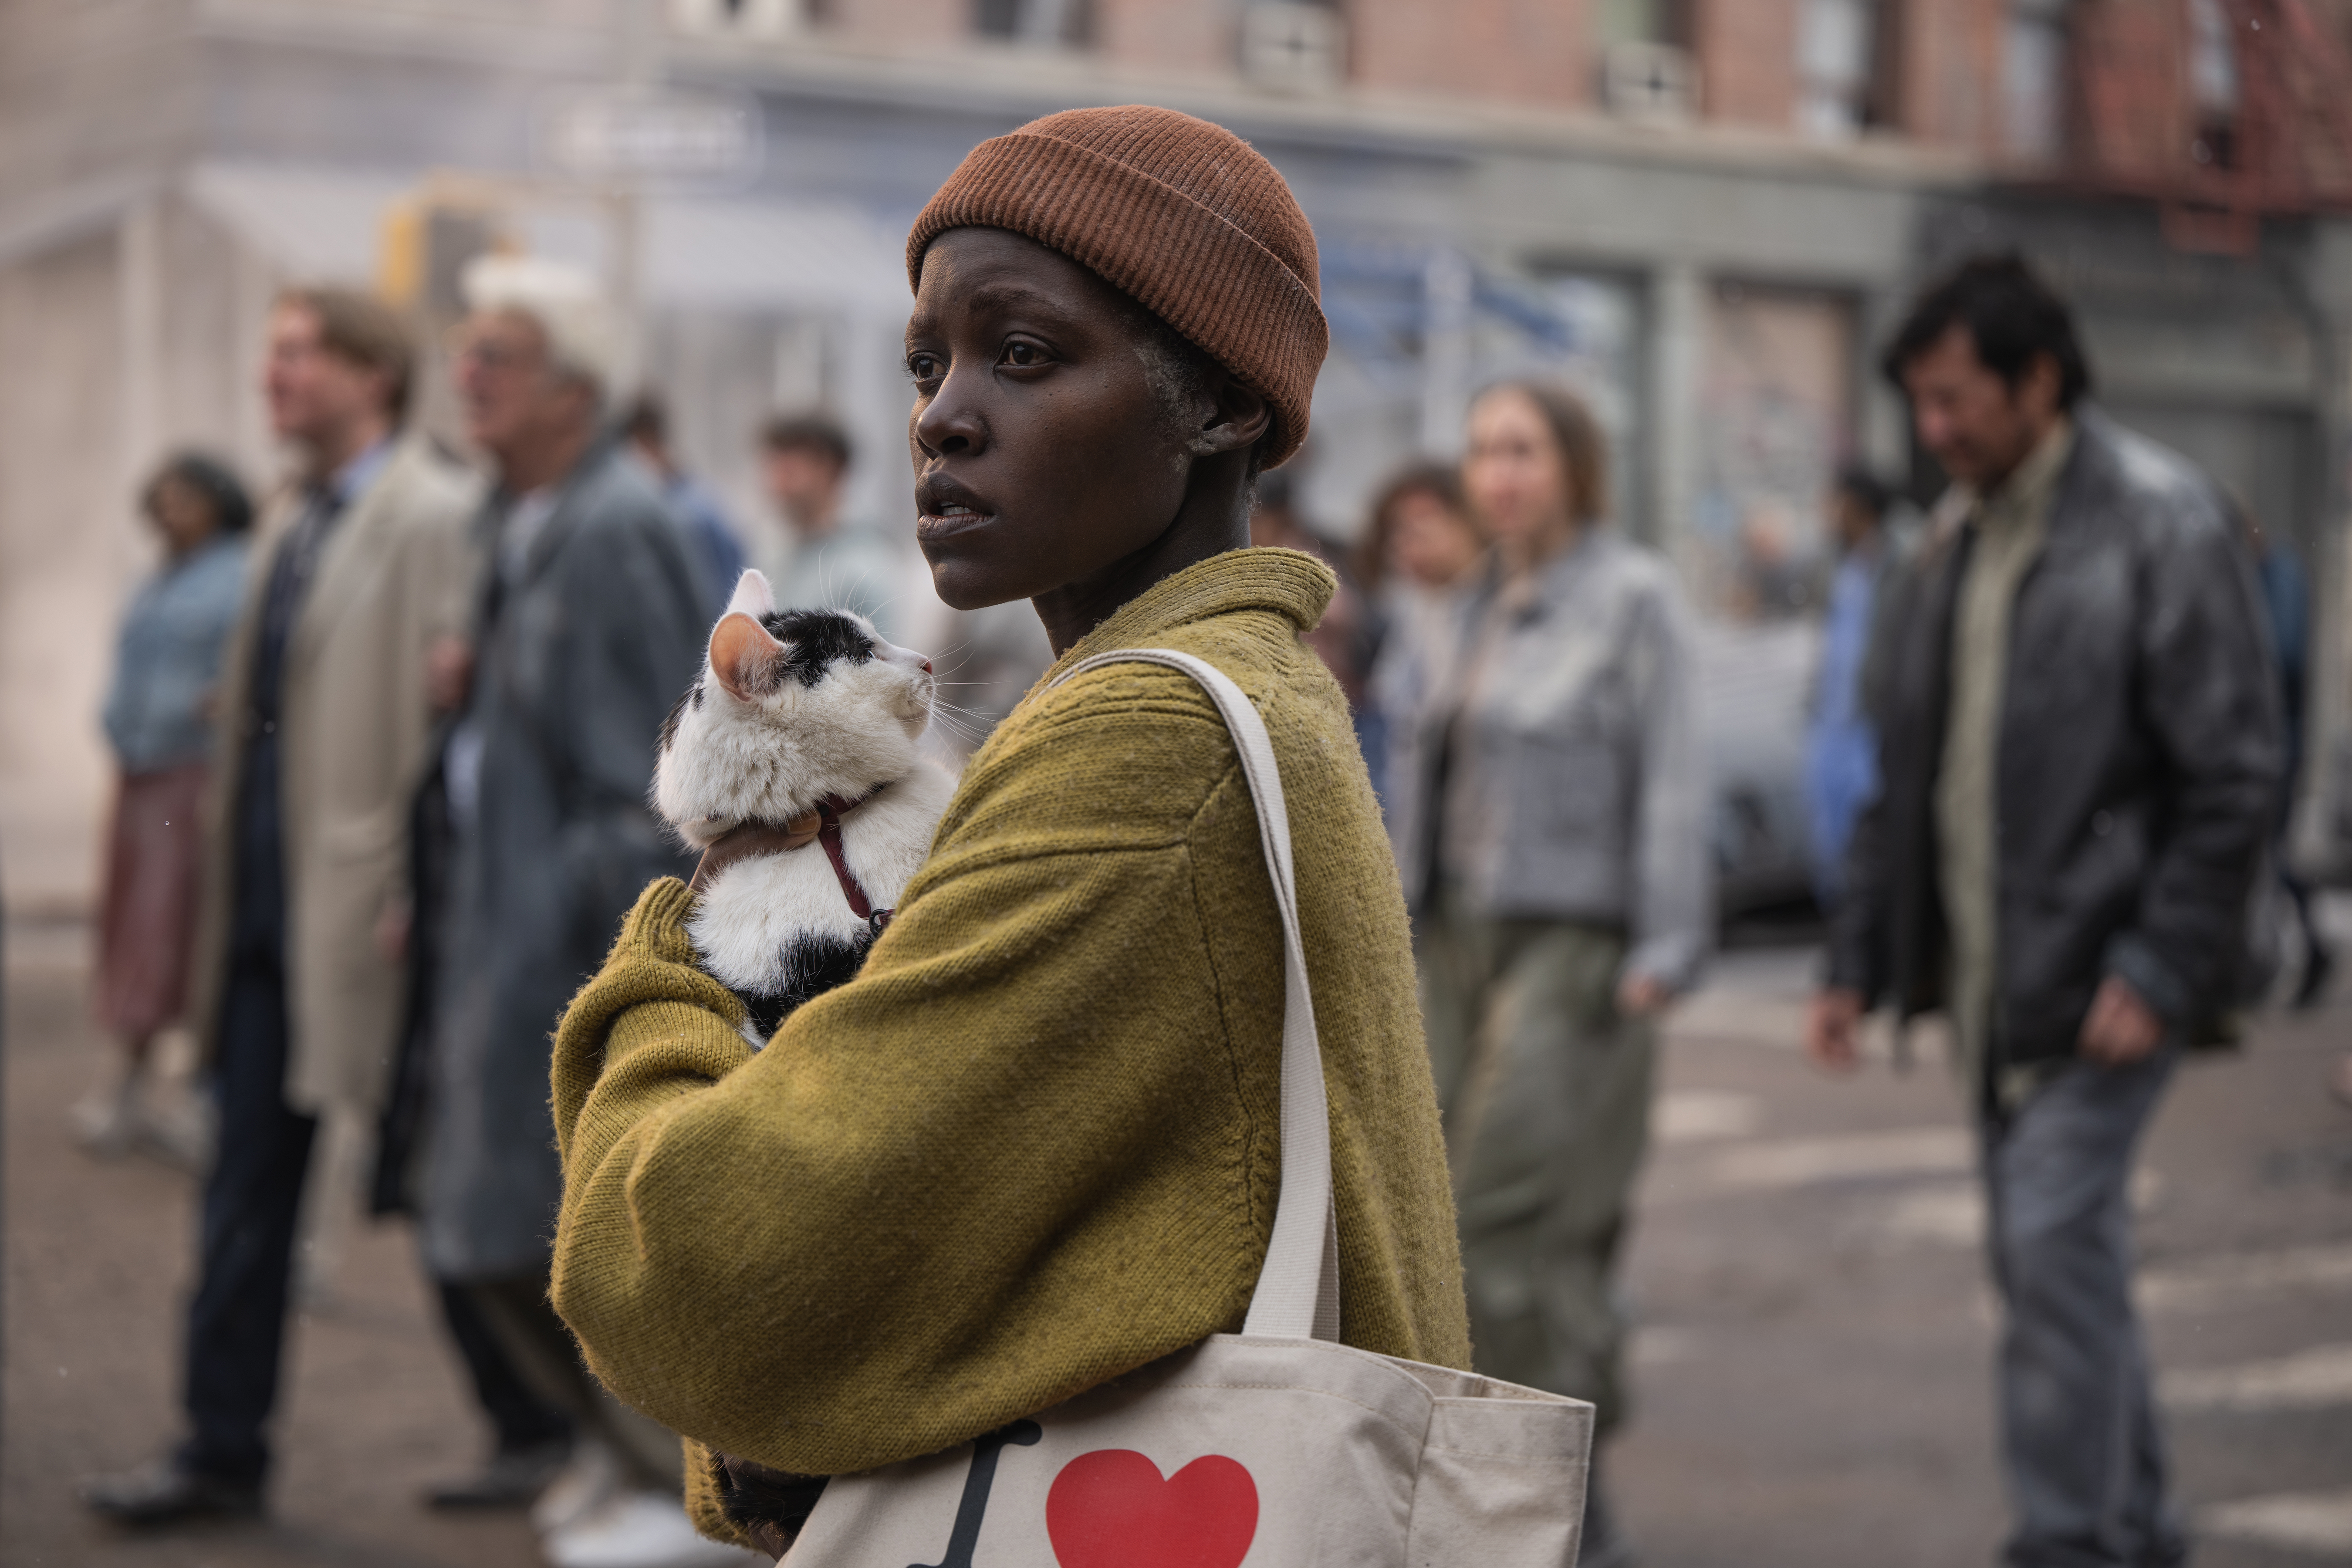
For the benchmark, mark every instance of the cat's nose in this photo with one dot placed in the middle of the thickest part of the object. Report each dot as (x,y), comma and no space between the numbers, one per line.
(926,664)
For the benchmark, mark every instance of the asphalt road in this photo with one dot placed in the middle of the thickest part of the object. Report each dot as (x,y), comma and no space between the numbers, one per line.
(1812,1365)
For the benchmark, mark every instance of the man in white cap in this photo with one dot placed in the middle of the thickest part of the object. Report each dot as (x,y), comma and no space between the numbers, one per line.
(590,625)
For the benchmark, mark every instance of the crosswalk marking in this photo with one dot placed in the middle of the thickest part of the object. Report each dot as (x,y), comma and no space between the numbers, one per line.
(2308,1379)
(2219,1280)
(1781,1163)
(2318,1522)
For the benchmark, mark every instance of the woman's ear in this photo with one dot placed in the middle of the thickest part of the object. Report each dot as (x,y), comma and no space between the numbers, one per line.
(746,660)
(1237,417)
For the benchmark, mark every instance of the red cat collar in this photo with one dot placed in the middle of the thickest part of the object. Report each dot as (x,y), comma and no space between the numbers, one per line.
(830,811)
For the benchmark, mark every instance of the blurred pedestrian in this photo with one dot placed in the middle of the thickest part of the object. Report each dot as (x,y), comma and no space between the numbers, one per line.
(2080,756)
(718,551)
(1841,745)
(1417,550)
(2287,601)
(1548,807)
(1346,636)
(323,724)
(159,720)
(591,625)
(826,559)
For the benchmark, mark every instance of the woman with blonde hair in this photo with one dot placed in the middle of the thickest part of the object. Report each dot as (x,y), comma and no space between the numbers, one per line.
(1546,805)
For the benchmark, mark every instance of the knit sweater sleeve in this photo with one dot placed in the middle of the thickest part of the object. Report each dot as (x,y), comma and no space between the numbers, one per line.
(1015,1157)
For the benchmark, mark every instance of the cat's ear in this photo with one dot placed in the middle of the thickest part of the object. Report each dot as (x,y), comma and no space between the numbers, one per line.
(752,595)
(746,660)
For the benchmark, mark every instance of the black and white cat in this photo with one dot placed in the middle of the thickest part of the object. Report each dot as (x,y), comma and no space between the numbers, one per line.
(800,712)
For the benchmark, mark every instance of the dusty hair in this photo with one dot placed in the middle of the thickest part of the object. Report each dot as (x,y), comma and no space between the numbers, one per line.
(363,330)
(1576,436)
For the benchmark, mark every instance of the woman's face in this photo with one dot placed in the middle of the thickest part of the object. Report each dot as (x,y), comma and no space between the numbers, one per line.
(1431,543)
(1042,453)
(1515,473)
(182,514)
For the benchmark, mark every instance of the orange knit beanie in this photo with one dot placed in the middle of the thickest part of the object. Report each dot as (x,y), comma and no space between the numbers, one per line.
(1180,213)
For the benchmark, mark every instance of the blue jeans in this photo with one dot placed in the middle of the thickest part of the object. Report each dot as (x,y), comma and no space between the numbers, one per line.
(2084,1460)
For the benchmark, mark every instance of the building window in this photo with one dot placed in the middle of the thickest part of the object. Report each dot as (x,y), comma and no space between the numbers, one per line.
(1640,22)
(1837,45)
(2033,79)
(744,19)
(2213,84)
(1294,46)
(1054,24)
(1646,72)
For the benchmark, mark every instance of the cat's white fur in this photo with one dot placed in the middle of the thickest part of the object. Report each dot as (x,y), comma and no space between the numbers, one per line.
(773,755)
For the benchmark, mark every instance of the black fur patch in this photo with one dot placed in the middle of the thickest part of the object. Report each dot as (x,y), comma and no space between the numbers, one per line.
(754,1494)
(815,964)
(816,639)
(690,697)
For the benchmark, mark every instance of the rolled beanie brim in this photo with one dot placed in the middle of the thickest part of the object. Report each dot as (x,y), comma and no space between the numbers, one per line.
(1195,268)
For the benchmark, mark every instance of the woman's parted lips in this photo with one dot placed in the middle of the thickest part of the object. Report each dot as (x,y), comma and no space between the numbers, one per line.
(946,507)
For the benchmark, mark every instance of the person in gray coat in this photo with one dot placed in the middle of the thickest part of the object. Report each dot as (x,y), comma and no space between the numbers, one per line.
(592,624)
(1547,803)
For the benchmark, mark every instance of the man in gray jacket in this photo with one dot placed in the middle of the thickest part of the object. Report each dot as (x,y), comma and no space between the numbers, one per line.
(2079,752)
(591,625)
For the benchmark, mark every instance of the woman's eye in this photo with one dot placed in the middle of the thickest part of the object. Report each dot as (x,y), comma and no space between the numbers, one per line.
(1019,356)
(925,367)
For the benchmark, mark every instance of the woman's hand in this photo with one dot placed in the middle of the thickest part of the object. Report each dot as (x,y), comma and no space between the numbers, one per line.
(1639,995)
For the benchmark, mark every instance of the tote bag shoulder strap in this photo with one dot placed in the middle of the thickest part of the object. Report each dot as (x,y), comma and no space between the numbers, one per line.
(1297,1294)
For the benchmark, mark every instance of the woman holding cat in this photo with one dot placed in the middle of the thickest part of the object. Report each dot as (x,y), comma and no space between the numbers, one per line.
(1033,1145)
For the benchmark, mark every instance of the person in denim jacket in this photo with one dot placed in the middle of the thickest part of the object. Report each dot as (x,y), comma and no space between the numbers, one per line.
(158,720)
(1547,805)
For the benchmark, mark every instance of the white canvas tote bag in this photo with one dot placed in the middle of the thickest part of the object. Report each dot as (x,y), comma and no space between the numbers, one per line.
(1275,1448)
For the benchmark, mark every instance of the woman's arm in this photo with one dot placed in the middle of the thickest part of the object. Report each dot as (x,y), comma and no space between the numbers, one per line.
(1673,880)
(1000,1166)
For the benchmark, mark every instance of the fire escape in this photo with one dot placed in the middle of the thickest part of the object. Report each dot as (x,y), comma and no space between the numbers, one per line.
(2221,113)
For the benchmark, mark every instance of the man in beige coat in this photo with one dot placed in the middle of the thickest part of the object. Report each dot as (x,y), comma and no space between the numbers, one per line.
(325,727)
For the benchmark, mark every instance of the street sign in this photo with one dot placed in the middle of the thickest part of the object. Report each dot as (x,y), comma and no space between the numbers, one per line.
(653,135)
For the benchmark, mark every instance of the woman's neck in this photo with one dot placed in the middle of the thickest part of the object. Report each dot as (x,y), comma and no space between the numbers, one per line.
(1525,557)
(1212,519)
(177,551)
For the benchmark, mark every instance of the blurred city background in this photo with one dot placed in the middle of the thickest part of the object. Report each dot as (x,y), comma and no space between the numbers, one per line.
(1704,214)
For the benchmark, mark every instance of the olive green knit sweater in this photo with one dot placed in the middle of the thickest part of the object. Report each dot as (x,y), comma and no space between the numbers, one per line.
(1033,1145)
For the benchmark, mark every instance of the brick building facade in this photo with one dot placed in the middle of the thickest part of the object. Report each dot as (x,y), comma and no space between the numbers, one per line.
(1703,211)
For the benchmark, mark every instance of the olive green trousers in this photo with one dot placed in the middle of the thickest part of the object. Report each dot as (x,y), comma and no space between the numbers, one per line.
(1545,1092)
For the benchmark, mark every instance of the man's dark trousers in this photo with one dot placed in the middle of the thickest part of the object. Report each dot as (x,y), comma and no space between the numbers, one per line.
(2085,1457)
(253,1202)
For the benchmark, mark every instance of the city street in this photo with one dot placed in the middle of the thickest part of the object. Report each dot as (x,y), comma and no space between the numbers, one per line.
(1812,1368)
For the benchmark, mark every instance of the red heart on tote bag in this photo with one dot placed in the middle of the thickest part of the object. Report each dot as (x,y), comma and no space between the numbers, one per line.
(1110,1509)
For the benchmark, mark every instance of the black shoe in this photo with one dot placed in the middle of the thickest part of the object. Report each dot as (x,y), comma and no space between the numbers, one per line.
(513,1477)
(167,1491)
